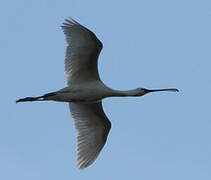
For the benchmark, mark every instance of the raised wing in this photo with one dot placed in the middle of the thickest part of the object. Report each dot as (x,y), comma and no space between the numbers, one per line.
(93,127)
(81,54)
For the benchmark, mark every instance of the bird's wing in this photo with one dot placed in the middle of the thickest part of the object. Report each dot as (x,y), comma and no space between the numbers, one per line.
(81,54)
(93,127)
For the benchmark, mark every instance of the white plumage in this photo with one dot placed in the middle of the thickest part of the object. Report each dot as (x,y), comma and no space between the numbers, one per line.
(85,91)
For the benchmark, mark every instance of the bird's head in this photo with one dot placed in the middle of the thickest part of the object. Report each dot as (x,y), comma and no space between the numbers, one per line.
(143,91)
(140,91)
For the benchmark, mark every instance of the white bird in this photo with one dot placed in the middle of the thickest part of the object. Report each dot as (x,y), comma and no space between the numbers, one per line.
(85,91)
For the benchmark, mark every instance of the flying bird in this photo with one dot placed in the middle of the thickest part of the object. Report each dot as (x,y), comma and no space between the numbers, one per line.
(85,91)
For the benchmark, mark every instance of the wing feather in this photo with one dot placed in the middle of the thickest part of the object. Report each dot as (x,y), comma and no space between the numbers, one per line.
(81,54)
(93,127)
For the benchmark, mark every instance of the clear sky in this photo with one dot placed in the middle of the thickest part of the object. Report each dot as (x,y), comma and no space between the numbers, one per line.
(147,43)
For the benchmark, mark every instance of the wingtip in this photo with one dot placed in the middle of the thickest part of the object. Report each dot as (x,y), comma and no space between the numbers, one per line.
(79,165)
(82,166)
(69,21)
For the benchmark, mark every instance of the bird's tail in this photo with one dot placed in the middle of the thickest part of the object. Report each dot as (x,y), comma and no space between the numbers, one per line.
(39,98)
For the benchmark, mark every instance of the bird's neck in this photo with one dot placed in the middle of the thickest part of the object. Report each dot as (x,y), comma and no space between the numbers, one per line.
(118,93)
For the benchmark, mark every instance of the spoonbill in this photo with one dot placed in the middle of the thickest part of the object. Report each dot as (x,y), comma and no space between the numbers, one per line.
(85,91)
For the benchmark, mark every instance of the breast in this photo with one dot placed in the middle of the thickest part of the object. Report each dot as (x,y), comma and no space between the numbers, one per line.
(86,92)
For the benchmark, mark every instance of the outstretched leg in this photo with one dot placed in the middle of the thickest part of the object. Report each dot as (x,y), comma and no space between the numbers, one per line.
(39,98)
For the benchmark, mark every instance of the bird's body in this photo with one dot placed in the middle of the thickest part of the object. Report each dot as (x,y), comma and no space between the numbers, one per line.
(85,91)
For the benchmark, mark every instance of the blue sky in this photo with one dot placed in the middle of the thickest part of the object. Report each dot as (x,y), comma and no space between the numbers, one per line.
(152,44)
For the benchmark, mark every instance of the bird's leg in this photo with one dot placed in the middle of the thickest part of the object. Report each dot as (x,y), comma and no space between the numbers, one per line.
(39,98)
(30,99)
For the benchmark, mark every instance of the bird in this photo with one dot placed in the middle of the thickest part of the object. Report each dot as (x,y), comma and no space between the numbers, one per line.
(85,91)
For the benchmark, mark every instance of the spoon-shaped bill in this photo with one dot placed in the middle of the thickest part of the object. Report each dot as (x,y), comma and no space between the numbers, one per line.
(170,90)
